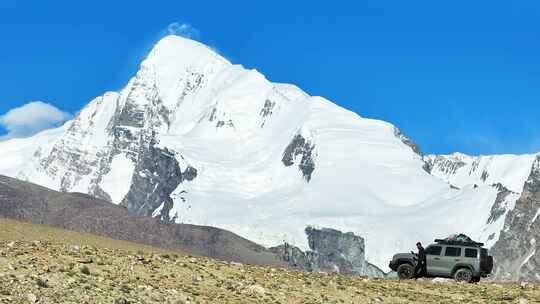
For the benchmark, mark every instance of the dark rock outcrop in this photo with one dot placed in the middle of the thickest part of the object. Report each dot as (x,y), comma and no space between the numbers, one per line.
(499,208)
(443,164)
(156,176)
(267,110)
(330,251)
(157,172)
(414,147)
(407,141)
(517,252)
(303,149)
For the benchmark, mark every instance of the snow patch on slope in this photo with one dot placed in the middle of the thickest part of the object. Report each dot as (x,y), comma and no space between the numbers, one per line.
(118,181)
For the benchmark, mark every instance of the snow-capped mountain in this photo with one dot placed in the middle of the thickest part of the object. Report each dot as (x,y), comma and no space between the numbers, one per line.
(195,139)
(505,173)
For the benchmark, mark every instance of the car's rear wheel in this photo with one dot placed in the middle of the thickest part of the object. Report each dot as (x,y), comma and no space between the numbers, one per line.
(463,275)
(405,271)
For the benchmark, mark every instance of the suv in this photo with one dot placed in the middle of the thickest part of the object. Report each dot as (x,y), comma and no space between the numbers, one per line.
(463,261)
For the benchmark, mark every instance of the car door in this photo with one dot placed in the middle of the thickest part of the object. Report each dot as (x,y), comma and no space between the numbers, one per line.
(471,257)
(452,256)
(433,259)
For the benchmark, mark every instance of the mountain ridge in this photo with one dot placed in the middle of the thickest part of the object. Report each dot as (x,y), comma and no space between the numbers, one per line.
(193,138)
(82,213)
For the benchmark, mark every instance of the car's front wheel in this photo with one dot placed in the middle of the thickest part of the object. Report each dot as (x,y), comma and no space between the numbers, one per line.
(405,271)
(463,275)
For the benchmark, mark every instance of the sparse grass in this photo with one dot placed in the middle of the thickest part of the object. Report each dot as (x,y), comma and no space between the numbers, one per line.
(41,283)
(85,270)
(11,230)
(53,272)
(125,288)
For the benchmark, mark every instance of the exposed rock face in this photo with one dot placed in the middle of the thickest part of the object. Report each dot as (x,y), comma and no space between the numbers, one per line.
(444,164)
(156,176)
(416,148)
(346,250)
(68,162)
(499,207)
(122,125)
(331,251)
(302,149)
(517,252)
(406,140)
(267,110)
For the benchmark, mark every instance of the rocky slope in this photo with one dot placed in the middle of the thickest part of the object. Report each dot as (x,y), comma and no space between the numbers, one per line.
(53,266)
(517,248)
(195,139)
(83,213)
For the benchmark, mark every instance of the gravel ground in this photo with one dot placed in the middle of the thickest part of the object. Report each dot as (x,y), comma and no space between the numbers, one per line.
(50,272)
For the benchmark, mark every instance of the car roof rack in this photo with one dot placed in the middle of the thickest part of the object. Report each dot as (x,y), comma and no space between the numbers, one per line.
(458,243)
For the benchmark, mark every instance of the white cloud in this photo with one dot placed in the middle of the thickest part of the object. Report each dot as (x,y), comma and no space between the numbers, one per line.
(186,30)
(183,29)
(31,118)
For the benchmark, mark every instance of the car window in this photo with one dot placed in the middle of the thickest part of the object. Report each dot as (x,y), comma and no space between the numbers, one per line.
(483,253)
(434,250)
(452,251)
(471,253)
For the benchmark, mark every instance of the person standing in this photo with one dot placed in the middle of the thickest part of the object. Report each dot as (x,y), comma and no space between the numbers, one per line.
(421,266)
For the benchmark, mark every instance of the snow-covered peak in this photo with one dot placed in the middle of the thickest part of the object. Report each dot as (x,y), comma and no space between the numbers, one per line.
(171,63)
(173,56)
(175,52)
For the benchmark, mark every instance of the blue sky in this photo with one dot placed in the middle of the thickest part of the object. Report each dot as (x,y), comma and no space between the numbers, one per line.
(453,75)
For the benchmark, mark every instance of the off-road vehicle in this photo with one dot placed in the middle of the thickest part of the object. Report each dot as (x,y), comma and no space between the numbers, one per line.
(465,261)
